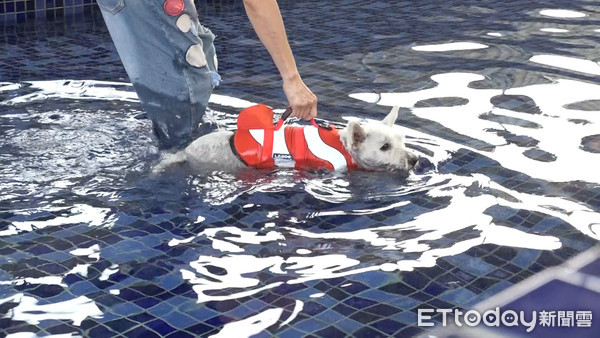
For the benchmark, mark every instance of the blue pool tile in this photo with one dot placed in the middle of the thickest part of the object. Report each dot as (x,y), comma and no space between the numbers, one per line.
(181,334)
(374,279)
(388,326)
(458,296)
(82,288)
(240,311)
(147,302)
(169,281)
(126,309)
(326,301)
(330,316)
(348,325)
(368,332)
(290,332)
(142,317)
(141,331)
(258,305)
(592,269)
(160,327)
(313,308)
(310,325)
(330,331)
(199,329)
(102,331)
(406,317)
(434,289)
(471,265)
(161,309)
(178,320)
(120,325)
(526,258)
(359,303)
(219,320)
(198,311)
(403,302)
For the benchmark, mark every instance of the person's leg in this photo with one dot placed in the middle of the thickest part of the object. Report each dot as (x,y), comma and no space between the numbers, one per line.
(170,59)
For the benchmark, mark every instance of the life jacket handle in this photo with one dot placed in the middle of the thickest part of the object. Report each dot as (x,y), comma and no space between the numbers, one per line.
(287,114)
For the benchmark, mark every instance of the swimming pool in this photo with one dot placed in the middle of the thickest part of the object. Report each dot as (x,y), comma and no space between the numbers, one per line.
(500,101)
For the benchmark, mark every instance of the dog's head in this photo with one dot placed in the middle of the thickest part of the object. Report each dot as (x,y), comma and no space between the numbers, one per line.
(378,145)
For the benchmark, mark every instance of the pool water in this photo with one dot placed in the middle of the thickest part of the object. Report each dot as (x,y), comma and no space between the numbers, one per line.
(500,101)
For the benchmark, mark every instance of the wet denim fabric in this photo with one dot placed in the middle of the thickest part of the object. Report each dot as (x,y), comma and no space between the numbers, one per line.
(170,59)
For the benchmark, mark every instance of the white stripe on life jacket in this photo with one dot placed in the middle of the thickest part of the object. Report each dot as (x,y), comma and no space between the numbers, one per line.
(258,135)
(322,150)
(316,145)
(281,155)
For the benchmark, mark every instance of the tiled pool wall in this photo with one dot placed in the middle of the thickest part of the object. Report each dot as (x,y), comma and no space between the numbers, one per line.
(22,11)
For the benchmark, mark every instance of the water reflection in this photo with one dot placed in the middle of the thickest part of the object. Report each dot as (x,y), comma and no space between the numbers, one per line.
(75,190)
(551,136)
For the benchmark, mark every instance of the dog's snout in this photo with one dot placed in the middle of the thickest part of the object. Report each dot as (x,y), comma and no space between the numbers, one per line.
(412,160)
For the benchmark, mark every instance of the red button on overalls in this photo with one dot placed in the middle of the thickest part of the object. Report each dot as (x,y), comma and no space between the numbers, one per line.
(174,7)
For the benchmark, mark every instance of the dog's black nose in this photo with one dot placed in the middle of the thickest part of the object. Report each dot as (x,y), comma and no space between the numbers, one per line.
(412,160)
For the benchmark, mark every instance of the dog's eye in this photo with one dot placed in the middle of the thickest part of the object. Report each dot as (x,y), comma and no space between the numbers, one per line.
(385,147)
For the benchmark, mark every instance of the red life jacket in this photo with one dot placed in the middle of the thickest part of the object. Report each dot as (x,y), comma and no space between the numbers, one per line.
(260,144)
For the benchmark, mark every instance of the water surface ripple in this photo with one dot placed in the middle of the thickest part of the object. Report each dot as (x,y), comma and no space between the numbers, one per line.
(507,185)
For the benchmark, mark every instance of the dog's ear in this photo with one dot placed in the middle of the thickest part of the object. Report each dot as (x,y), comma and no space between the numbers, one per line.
(391,117)
(357,133)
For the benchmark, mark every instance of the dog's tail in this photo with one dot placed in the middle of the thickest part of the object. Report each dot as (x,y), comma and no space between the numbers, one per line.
(168,160)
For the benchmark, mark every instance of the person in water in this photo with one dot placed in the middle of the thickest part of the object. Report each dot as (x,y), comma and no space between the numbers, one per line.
(171,61)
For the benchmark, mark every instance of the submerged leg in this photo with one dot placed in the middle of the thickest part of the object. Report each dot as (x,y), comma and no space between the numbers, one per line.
(170,59)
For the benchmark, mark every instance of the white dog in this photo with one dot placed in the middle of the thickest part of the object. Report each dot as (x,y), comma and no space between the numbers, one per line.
(258,143)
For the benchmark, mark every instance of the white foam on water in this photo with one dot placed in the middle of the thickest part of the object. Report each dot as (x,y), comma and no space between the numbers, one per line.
(359,211)
(92,252)
(231,243)
(4,86)
(569,63)
(229,101)
(298,306)
(448,47)
(238,269)
(175,242)
(77,90)
(75,310)
(79,213)
(108,272)
(496,34)
(95,90)
(551,98)
(46,280)
(81,269)
(562,13)
(250,326)
(554,30)
(34,335)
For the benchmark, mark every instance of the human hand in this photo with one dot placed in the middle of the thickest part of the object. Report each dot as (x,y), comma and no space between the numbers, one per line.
(300,98)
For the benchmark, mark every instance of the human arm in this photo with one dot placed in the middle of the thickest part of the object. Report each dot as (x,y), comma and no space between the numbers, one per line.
(266,19)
